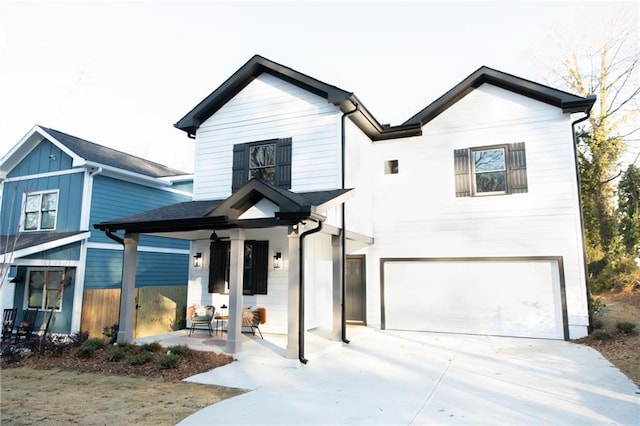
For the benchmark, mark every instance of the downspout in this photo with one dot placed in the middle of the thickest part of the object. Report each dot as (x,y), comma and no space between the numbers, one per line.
(584,244)
(301,296)
(343,234)
(113,236)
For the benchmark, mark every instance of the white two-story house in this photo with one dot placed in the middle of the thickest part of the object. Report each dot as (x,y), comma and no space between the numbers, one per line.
(465,218)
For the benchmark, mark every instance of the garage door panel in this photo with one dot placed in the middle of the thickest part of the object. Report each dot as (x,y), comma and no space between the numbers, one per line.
(510,298)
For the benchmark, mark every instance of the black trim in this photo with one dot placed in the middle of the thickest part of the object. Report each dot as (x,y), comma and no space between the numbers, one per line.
(561,278)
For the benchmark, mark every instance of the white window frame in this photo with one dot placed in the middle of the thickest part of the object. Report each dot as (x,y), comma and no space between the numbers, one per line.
(24,210)
(43,306)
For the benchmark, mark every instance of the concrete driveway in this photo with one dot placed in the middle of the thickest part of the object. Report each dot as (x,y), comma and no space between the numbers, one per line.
(389,377)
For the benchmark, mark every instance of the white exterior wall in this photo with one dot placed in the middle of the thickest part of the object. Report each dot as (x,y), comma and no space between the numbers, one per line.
(416,212)
(270,108)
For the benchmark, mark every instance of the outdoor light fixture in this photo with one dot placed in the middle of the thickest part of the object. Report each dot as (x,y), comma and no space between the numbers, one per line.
(197,260)
(277,260)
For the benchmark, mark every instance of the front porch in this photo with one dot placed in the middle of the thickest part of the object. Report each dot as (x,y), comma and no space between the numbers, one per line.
(270,351)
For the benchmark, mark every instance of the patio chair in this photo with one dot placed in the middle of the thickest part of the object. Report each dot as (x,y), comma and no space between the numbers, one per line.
(200,316)
(253,319)
(8,319)
(25,329)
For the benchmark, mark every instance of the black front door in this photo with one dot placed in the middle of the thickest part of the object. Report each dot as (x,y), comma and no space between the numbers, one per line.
(355,290)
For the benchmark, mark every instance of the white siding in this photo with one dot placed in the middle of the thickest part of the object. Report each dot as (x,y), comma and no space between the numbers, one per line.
(416,212)
(270,108)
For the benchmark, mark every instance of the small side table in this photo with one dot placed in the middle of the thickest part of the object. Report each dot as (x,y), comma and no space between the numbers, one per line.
(220,322)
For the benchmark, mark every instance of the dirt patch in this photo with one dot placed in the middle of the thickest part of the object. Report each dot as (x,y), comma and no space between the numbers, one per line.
(620,348)
(64,389)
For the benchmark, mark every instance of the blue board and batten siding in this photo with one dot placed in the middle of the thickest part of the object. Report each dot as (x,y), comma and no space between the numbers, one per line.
(44,158)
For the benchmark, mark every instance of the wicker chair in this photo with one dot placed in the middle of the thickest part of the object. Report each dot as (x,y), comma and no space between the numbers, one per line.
(253,319)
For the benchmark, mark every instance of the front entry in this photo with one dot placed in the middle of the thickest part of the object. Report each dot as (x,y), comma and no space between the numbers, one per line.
(355,290)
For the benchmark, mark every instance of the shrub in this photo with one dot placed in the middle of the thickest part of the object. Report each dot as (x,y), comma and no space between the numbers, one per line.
(89,347)
(601,335)
(170,360)
(116,354)
(625,327)
(180,350)
(622,275)
(142,358)
(597,323)
(152,347)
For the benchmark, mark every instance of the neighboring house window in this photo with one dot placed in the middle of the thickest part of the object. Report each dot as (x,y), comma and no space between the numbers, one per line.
(256,265)
(44,288)
(268,160)
(40,210)
(491,170)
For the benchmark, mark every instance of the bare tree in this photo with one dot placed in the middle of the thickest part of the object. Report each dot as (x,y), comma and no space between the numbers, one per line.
(604,63)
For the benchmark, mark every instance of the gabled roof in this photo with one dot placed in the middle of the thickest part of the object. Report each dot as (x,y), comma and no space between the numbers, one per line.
(257,65)
(566,101)
(27,243)
(223,214)
(85,153)
(348,102)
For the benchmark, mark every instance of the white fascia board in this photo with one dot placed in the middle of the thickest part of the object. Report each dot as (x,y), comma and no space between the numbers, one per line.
(125,175)
(50,245)
(179,178)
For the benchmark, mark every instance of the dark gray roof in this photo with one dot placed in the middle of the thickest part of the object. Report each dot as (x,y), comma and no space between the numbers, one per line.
(205,214)
(31,239)
(558,98)
(346,101)
(110,157)
(362,118)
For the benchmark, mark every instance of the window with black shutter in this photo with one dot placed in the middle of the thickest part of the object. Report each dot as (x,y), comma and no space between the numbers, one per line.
(256,267)
(269,160)
(490,170)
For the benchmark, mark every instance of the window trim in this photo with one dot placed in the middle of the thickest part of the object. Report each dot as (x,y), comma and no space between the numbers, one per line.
(43,306)
(240,162)
(23,222)
(515,165)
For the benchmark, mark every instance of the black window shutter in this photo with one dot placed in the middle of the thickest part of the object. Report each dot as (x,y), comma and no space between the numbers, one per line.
(240,171)
(461,168)
(517,167)
(218,267)
(283,163)
(260,266)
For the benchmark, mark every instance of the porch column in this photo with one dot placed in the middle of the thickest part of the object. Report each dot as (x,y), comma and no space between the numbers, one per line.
(236,274)
(128,291)
(336,306)
(293,325)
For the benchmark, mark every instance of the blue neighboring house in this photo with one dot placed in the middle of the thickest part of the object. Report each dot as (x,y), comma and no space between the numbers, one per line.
(53,187)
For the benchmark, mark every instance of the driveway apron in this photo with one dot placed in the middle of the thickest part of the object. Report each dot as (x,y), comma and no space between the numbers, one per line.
(403,378)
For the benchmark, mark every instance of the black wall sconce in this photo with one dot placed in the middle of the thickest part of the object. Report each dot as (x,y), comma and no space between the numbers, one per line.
(277,260)
(197,260)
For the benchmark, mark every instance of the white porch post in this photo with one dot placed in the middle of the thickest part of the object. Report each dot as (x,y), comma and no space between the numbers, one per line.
(128,292)
(293,325)
(236,274)
(336,306)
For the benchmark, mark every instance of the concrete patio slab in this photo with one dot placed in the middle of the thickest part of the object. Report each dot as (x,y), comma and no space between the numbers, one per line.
(386,377)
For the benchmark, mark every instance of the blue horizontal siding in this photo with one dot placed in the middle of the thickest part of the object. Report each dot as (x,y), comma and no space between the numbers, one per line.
(114,199)
(104,269)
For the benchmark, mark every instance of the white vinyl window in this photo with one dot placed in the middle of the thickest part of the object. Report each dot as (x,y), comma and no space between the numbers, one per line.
(44,288)
(40,211)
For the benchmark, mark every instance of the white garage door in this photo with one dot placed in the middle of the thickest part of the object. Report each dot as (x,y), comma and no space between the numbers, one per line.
(496,297)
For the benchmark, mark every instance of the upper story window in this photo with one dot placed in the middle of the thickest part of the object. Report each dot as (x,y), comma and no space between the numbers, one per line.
(40,211)
(269,160)
(491,170)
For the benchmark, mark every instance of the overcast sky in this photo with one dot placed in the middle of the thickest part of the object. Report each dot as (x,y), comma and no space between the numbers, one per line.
(122,73)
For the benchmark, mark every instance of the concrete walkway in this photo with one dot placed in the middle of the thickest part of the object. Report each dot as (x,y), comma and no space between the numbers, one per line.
(388,377)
